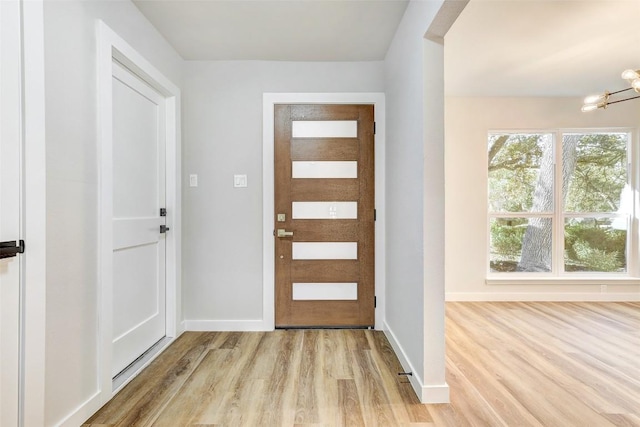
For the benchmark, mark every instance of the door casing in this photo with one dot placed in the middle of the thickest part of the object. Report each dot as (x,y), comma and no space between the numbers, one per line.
(110,47)
(268,251)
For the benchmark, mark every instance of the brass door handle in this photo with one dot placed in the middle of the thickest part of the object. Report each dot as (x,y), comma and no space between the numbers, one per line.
(281,232)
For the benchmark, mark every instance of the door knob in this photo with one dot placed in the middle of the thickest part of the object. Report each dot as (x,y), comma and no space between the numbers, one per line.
(284,233)
(12,248)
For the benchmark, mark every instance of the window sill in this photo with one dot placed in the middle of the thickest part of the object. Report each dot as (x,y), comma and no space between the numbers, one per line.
(573,280)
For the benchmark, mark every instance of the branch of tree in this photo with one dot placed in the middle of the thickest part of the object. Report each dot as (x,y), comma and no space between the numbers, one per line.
(496,147)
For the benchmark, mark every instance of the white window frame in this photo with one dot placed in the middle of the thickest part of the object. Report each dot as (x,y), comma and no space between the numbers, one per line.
(558,216)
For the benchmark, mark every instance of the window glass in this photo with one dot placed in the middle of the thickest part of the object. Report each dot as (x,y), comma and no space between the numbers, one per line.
(594,244)
(521,245)
(521,173)
(594,170)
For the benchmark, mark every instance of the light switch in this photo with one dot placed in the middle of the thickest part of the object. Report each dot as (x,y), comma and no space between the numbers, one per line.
(193,180)
(239,181)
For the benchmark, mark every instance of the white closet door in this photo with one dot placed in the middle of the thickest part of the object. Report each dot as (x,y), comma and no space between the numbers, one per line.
(139,311)
(10,178)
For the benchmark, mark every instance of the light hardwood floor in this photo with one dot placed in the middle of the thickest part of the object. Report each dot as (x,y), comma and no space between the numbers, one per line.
(508,364)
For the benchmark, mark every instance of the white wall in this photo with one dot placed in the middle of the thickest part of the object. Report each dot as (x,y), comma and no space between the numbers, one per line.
(72,190)
(415,220)
(468,121)
(222,225)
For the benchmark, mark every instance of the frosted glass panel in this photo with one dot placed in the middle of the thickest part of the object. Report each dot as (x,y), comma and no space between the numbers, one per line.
(325,210)
(325,129)
(325,291)
(325,169)
(325,250)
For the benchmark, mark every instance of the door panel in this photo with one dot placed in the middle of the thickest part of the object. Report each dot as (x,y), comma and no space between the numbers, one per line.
(325,291)
(325,169)
(10,187)
(324,195)
(324,210)
(324,250)
(139,312)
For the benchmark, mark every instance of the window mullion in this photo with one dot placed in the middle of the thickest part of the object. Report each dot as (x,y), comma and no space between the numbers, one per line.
(634,180)
(557,267)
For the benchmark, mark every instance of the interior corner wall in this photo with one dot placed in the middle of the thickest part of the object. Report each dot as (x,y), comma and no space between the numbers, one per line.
(72,307)
(222,225)
(468,121)
(415,281)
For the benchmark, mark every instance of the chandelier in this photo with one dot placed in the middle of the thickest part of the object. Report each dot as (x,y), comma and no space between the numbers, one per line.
(594,102)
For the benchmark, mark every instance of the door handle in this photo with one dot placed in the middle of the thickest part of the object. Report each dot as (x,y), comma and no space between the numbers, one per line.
(284,233)
(11,248)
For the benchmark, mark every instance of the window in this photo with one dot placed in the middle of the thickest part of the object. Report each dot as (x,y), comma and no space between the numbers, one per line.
(559,202)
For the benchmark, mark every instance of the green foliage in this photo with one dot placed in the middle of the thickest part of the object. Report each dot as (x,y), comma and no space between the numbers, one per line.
(514,161)
(594,184)
(595,259)
(600,173)
(506,237)
(593,246)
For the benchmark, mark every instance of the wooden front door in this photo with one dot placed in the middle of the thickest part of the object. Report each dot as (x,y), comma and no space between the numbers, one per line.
(324,216)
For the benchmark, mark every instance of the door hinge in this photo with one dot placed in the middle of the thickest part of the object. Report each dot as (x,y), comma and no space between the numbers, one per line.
(11,248)
(375,302)
(163,212)
(374,128)
(164,229)
(375,214)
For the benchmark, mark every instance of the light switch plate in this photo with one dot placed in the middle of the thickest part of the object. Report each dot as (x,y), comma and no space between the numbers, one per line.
(193,180)
(239,181)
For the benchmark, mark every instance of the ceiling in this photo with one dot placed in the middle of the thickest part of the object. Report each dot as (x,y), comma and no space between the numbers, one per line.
(279,30)
(495,47)
(542,47)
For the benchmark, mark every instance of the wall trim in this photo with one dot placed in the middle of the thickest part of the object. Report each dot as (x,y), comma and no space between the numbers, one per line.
(111,46)
(542,296)
(432,393)
(225,325)
(268,250)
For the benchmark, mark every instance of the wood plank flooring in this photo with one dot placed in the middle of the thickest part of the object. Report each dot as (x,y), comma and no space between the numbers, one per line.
(508,364)
(542,364)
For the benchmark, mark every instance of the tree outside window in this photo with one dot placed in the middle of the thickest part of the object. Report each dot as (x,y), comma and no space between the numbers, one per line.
(558,202)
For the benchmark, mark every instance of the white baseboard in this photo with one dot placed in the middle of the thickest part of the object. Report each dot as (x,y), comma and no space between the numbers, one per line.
(542,296)
(95,402)
(182,327)
(83,412)
(226,325)
(426,393)
(435,393)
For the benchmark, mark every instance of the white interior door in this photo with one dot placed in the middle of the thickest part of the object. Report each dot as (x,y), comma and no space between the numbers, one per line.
(139,311)
(10,187)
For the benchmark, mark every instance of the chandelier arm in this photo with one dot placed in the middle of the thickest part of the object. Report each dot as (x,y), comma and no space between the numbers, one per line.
(620,91)
(622,100)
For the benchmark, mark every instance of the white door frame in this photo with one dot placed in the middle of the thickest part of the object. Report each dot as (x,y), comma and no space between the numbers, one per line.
(33,220)
(268,249)
(110,47)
